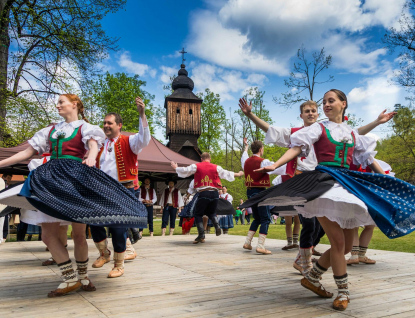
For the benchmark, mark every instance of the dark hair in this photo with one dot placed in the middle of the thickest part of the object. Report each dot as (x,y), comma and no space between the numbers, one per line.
(342,96)
(256,146)
(308,103)
(205,156)
(5,175)
(117,117)
(225,187)
(75,99)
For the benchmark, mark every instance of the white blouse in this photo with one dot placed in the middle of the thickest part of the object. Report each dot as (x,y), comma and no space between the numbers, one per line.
(364,150)
(281,137)
(40,141)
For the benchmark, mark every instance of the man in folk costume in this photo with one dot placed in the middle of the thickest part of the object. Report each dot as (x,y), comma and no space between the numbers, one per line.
(171,200)
(311,231)
(255,183)
(207,183)
(118,159)
(149,197)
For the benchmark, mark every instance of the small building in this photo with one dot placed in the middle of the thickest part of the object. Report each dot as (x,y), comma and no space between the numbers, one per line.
(183,117)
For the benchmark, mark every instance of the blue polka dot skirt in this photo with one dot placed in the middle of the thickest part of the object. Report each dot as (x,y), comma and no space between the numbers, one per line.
(390,201)
(71,191)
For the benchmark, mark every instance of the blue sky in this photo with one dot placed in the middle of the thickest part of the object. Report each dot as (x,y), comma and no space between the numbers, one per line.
(234,45)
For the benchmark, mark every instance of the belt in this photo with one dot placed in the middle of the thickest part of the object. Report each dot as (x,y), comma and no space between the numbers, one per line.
(168,204)
(203,190)
(149,205)
(129,184)
(262,188)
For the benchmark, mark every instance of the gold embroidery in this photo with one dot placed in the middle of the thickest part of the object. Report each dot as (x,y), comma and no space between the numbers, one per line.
(249,180)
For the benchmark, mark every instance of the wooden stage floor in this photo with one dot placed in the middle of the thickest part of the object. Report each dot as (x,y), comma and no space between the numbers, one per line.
(173,278)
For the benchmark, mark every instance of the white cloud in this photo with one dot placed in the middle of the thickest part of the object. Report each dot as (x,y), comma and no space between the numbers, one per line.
(223,82)
(167,72)
(375,95)
(263,35)
(133,67)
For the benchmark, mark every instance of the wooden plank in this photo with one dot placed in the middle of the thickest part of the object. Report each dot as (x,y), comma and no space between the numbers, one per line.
(174,278)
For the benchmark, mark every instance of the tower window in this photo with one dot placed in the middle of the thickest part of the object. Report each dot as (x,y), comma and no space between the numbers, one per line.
(178,111)
(190,111)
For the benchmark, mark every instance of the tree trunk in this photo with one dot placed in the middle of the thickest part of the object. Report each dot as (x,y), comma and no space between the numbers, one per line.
(4,58)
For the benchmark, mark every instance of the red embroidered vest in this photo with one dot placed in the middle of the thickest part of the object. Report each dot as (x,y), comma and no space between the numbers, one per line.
(125,158)
(255,179)
(175,197)
(68,147)
(143,192)
(207,176)
(333,153)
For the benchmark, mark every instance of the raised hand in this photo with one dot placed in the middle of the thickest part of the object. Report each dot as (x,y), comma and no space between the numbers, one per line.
(244,106)
(140,105)
(245,141)
(385,117)
(173,165)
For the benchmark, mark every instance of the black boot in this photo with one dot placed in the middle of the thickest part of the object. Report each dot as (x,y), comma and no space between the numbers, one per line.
(201,237)
(215,222)
(136,234)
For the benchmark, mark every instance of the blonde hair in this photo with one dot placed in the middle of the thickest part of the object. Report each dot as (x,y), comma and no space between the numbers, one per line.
(308,103)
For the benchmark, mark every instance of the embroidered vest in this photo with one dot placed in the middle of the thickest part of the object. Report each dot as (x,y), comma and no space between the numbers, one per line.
(126,159)
(143,192)
(207,176)
(175,197)
(333,153)
(255,179)
(70,147)
(291,165)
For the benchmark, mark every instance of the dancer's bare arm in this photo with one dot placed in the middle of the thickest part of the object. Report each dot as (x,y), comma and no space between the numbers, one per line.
(20,156)
(376,167)
(247,110)
(289,155)
(383,118)
(92,153)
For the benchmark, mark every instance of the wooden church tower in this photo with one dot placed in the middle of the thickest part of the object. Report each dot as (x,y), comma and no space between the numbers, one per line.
(183,126)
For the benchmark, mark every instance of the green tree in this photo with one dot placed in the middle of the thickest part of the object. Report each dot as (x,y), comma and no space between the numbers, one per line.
(399,149)
(117,93)
(46,44)
(213,118)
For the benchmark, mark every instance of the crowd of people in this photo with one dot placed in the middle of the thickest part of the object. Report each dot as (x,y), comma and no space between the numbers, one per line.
(329,183)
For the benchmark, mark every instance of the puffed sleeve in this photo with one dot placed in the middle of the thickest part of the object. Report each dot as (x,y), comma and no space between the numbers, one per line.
(278,136)
(92,132)
(40,140)
(184,172)
(225,174)
(305,138)
(364,150)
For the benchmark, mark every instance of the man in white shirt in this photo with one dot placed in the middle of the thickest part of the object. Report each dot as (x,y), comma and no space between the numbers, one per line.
(149,197)
(226,221)
(171,200)
(118,158)
(207,182)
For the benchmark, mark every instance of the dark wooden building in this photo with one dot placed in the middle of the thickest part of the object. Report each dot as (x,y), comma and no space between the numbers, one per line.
(183,126)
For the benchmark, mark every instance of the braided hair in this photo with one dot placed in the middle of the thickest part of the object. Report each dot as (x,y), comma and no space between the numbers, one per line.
(75,99)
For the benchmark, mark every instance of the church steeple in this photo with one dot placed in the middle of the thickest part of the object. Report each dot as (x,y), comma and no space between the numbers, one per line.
(183,124)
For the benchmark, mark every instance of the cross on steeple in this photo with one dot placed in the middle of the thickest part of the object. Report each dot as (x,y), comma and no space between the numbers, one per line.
(183,53)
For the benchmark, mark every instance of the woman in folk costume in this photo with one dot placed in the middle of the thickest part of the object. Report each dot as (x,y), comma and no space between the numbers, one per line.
(70,188)
(341,199)
(187,219)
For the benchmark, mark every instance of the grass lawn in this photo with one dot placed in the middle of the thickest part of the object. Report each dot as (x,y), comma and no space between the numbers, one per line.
(277,231)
